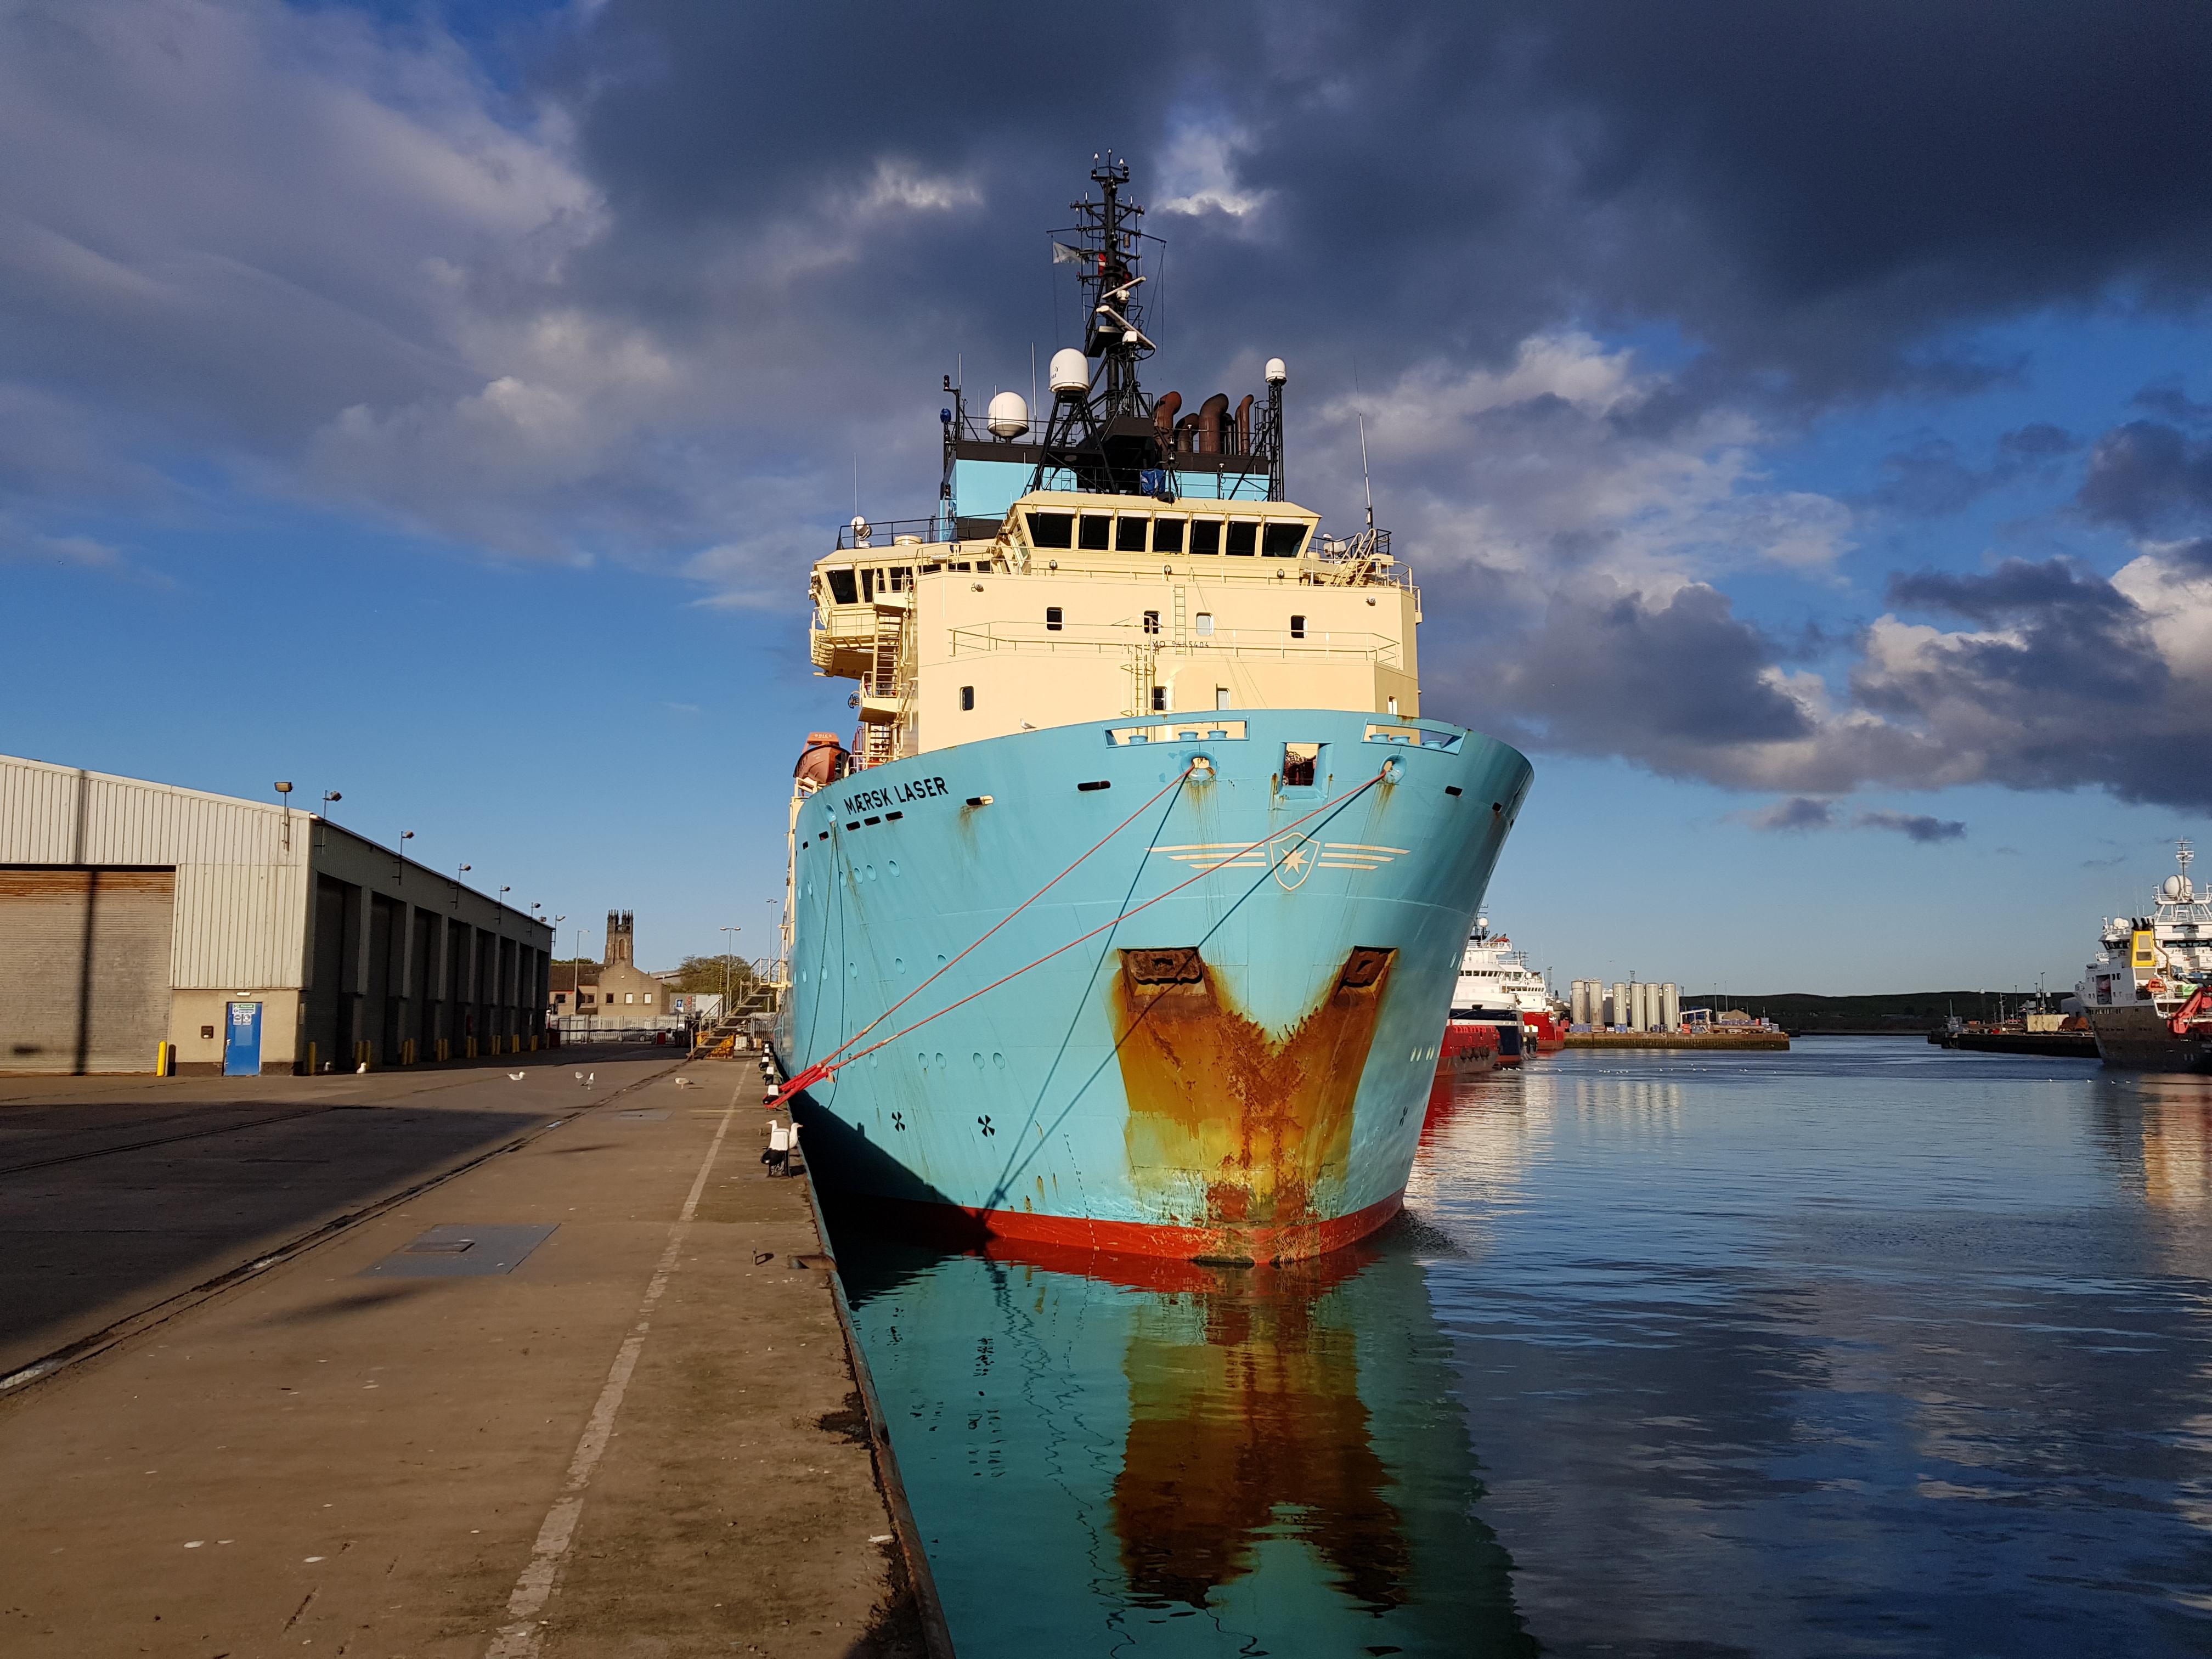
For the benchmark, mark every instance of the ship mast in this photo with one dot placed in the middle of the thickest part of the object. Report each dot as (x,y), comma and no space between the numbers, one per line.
(1102,432)
(1115,335)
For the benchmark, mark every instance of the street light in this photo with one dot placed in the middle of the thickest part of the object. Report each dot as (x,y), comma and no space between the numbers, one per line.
(727,948)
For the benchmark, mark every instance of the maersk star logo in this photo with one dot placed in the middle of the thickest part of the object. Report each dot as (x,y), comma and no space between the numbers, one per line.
(1292,857)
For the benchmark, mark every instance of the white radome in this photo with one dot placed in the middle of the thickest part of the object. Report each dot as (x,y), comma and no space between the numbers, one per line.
(1009,416)
(1070,371)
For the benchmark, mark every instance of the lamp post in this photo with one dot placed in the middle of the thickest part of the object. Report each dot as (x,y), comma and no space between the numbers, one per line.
(728,947)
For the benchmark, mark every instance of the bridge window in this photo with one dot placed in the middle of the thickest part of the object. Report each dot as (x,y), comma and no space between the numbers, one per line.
(1205,535)
(1167,535)
(1095,529)
(1151,621)
(844,587)
(1129,534)
(1284,541)
(1052,619)
(1297,628)
(1243,536)
(1052,529)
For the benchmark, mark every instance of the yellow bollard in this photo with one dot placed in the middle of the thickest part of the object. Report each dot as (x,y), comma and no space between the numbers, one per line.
(311,1060)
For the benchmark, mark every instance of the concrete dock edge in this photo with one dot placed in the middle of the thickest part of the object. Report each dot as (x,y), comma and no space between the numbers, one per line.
(935,1631)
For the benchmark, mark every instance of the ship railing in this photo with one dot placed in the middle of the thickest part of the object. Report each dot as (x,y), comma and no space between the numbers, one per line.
(1245,643)
(887,536)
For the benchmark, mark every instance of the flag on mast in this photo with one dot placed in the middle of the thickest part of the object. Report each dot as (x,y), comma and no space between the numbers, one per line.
(1064,255)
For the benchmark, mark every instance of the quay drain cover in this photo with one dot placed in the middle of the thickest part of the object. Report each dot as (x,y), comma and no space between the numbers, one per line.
(458,1249)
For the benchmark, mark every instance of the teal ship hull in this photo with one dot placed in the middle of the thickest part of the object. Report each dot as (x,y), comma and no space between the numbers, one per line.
(1206,1006)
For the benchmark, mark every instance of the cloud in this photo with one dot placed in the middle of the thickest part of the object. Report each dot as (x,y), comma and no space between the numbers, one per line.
(2151,478)
(22,545)
(1914,826)
(639,300)
(1928,479)
(1797,812)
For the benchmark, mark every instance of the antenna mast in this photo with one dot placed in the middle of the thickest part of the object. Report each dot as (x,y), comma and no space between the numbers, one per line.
(1365,483)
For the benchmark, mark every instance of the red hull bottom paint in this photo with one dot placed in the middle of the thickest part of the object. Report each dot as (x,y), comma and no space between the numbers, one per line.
(969,1228)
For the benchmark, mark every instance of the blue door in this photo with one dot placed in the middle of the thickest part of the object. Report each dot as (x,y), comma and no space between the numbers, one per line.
(241,1048)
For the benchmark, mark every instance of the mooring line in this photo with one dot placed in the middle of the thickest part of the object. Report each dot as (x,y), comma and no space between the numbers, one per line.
(829,1066)
(519,1640)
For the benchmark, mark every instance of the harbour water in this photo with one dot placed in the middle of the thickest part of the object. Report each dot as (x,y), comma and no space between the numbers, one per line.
(1871,1347)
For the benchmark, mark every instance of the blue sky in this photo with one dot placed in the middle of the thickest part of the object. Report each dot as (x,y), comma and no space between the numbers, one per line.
(444,406)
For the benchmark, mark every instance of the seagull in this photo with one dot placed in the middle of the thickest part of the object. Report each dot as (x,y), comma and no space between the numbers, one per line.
(515,1077)
(684,1083)
(579,1077)
(590,1078)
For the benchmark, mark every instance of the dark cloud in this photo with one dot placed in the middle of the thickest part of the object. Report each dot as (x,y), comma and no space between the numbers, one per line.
(2150,477)
(2167,399)
(1915,826)
(2066,681)
(1817,192)
(1611,672)
(2053,588)
(1930,480)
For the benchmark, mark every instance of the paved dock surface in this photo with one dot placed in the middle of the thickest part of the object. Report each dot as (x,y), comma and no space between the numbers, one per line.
(643,1438)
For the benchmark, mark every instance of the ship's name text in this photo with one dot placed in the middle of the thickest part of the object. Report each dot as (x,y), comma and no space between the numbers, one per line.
(869,799)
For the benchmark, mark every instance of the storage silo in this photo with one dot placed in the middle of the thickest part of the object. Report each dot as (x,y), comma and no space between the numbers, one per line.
(1670,1009)
(1618,1013)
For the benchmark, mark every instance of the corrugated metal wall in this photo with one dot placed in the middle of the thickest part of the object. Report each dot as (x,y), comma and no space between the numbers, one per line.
(241,896)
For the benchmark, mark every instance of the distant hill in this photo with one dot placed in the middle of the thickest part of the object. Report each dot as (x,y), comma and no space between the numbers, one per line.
(1901,1013)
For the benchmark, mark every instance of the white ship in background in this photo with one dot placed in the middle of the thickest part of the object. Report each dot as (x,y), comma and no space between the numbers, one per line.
(1497,987)
(2147,994)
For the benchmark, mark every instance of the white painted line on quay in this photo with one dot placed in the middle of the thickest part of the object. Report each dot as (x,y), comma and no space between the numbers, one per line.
(519,1639)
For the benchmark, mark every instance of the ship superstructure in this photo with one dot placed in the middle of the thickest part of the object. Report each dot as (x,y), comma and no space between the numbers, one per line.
(2145,993)
(1132,917)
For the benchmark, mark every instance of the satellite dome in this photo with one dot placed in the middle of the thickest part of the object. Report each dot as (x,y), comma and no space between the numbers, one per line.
(1070,371)
(1009,415)
(1278,371)
(2173,887)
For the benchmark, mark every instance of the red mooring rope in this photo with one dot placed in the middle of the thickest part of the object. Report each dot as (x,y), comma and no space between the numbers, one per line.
(828,1066)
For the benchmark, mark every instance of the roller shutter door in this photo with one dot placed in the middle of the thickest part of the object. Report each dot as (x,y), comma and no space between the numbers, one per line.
(84,969)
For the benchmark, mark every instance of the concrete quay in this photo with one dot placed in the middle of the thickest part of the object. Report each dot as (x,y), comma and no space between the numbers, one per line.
(238,1416)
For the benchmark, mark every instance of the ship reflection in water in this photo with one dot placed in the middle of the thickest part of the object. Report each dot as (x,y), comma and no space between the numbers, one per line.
(1107,1455)
(1871,1347)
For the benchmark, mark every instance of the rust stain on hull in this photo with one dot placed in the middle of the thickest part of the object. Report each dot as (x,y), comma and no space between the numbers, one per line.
(1218,1109)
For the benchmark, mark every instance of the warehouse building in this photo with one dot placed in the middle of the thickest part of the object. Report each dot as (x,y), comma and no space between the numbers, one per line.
(146,927)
